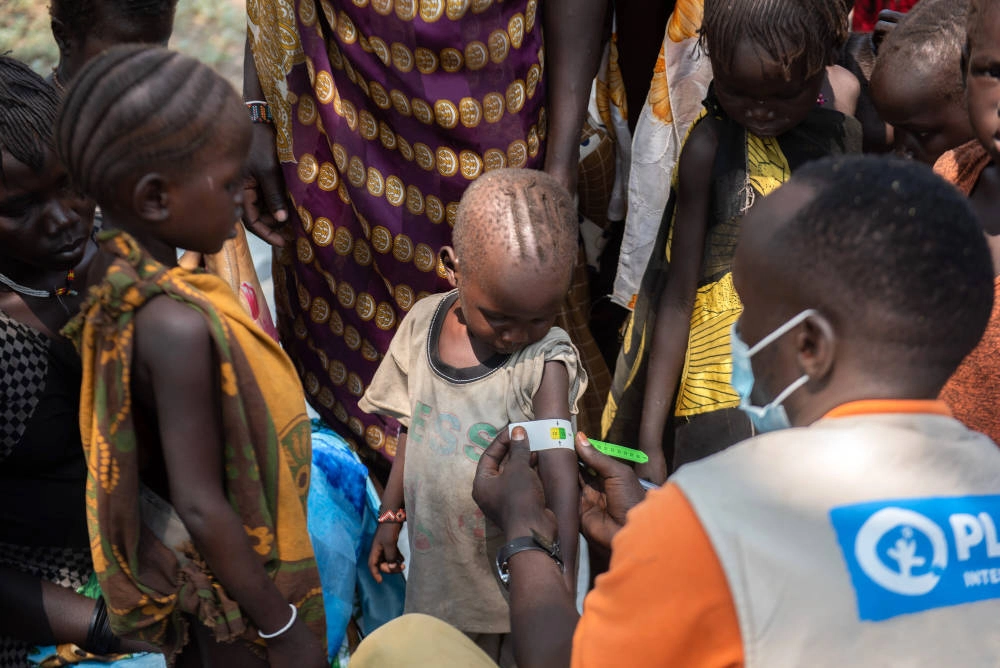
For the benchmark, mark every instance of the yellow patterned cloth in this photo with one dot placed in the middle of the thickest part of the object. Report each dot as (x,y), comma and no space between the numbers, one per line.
(149,577)
(746,168)
(680,81)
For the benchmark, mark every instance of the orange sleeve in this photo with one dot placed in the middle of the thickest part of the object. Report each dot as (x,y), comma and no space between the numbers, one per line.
(664,600)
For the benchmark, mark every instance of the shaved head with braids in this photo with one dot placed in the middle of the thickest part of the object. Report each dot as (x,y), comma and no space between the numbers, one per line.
(517,217)
(783,30)
(27,113)
(138,109)
(515,244)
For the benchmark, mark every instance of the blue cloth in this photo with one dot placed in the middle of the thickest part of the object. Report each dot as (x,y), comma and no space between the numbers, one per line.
(135,661)
(343,506)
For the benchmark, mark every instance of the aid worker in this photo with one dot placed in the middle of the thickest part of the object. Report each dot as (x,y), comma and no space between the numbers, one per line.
(861,529)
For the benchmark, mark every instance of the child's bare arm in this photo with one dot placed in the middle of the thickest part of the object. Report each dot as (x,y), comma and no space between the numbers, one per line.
(843,89)
(673,312)
(558,468)
(384,557)
(174,352)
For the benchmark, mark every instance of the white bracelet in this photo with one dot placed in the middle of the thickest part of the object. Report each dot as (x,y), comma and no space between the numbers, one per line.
(269,636)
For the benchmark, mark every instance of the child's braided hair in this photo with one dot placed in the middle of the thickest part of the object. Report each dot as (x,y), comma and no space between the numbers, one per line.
(27,113)
(784,30)
(140,107)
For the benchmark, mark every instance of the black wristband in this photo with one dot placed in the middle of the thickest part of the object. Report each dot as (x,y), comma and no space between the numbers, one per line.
(100,639)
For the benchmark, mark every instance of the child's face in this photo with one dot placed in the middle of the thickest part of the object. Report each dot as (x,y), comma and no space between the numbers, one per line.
(207,203)
(924,121)
(43,223)
(756,94)
(983,84)
(513,311)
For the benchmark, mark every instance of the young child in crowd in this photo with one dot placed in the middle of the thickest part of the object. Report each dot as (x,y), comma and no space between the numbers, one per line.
(463,365)
(917,81)
(84,28)
(975,169)
(771,107)
(183,398)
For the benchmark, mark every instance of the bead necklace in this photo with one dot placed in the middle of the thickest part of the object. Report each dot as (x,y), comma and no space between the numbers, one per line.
(65,290)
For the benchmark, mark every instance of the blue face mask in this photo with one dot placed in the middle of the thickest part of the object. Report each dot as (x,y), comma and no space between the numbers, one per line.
(772,416)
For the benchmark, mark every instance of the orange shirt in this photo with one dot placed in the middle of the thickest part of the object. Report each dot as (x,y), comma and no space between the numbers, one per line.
(665,600)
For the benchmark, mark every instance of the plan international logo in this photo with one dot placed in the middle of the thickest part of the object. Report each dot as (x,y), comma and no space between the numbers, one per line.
(910,555)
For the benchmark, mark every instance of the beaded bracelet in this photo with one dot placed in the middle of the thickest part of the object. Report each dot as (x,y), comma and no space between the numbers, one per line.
(259,111)
(392,516)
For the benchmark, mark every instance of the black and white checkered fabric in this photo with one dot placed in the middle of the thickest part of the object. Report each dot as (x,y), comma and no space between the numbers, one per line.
(23,369)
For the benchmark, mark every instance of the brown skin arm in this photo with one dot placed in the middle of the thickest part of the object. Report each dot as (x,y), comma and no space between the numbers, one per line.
(38,611)
(384,556)
(543,612)
(558,468)
(542,609)
(673,313)
(572,54)
(843,89)
(264,202)
(174,365)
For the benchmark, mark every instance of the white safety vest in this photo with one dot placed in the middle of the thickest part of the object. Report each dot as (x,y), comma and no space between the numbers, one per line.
(869,540)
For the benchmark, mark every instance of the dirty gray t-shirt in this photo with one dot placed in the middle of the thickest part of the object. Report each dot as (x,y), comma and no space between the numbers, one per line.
(452,416)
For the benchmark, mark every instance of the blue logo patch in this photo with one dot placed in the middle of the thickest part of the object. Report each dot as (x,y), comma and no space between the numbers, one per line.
(909,555)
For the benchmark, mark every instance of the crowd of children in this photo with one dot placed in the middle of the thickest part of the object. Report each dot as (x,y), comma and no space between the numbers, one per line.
(190,450)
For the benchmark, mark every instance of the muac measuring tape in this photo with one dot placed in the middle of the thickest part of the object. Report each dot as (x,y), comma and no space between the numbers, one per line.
(554,433)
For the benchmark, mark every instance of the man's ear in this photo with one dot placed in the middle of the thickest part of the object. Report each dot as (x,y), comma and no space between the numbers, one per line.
(149,198)
(450,263)
(817,347)
(63,37)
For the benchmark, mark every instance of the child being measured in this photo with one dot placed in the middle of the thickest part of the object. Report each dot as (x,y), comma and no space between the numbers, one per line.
(776,102)
(197,473)
(463,365)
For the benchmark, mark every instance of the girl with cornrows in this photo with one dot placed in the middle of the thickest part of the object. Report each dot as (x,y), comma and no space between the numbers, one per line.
(198,469)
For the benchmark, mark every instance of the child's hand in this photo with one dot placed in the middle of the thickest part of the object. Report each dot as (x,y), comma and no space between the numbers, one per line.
(297,648)
(654,470)
(385,556)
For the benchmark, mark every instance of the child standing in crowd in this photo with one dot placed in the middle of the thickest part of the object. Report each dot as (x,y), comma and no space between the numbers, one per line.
(171,405)
(84,28)
(462,366)
(917,81)
(973,167)
(771,108)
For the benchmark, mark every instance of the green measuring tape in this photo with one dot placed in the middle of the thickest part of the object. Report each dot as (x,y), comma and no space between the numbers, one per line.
(620,452)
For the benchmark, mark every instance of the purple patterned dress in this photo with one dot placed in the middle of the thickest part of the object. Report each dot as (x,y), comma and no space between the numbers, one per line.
(385,111)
